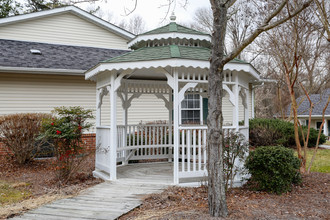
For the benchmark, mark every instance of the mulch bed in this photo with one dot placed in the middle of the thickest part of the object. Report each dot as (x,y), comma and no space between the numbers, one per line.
(310,200)
(39,178)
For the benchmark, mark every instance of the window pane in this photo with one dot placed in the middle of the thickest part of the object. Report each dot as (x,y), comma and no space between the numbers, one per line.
(190,103)
(196,103)
(184,104)
(196,115)
(184,114)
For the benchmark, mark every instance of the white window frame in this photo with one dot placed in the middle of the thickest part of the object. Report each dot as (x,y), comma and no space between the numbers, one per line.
(200,108)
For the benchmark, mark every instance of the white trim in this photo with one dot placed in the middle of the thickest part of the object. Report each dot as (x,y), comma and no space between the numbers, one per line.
(75,10)
(9,69)
(172,35)
(172,62)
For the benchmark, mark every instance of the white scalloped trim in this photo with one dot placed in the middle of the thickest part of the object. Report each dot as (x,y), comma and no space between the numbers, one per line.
(172,35)
(248,68)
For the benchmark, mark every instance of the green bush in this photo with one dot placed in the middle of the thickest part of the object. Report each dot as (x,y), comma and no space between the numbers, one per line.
(65,129)
(273,168)
(265,132)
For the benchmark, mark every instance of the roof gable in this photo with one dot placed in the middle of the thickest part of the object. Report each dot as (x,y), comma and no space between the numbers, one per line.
(69,9)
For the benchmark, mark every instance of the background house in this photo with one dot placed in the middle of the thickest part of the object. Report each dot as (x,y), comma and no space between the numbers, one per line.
(319,101)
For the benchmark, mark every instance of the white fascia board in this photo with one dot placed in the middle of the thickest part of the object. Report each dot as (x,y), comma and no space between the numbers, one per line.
(79,12)
(246,67)
(168,35)
(6,69)
(146,64)
(167,62)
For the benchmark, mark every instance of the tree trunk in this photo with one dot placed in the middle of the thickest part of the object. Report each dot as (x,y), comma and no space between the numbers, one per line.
(216,184)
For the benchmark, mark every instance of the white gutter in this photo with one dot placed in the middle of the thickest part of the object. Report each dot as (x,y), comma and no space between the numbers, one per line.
(7,69)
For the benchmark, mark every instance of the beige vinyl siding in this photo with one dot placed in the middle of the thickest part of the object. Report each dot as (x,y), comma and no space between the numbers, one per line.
(65,28)
(145,109)
(28,93)
(227,110)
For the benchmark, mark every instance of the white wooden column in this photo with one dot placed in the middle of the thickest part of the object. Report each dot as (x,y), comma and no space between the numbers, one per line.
(325,127)
(176,126)
(98,107)
(246,114)
(252,102)
(113,128)
(170,121)
(236,95)
(125,107)
(246,109)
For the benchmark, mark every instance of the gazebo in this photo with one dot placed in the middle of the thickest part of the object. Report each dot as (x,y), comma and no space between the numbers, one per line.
(171,62)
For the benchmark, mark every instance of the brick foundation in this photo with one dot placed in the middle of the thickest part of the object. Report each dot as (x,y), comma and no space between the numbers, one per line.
(87,139)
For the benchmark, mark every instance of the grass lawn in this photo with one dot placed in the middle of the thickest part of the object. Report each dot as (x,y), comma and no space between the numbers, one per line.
(327,143)
(12,193)
(321,162)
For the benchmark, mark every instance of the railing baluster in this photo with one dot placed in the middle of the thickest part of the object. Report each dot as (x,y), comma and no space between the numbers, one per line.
(183,149)
(199,149)
(194,150)
(154,139)
(204,149)
(188,149)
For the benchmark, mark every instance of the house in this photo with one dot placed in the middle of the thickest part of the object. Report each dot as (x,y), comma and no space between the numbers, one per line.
(43,57)
(319,101)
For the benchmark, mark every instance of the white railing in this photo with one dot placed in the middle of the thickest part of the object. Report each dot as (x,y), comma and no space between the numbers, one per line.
(192,151)
(102,153)
(144,142)
(141,142)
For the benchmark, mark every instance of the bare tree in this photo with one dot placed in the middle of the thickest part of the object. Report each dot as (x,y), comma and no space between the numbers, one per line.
(322,11)
(136,25)
(276,46)
(278,13)
(203,20)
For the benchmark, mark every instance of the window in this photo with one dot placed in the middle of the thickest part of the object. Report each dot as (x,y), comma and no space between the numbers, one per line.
(318,125)
(191,109)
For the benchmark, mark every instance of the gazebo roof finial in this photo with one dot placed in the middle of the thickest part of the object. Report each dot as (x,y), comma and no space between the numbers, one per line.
(173,17)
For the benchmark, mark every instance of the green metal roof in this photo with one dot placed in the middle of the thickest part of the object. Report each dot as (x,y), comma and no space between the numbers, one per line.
(163,52)
(173,27)
(166,52)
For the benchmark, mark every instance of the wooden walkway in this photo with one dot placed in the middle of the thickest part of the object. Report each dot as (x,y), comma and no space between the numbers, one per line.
(109,200)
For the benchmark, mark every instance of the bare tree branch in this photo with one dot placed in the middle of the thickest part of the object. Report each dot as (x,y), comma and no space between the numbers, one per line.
(265,27)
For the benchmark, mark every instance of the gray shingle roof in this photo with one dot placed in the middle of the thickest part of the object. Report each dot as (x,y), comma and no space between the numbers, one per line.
(54,56)
(319,101)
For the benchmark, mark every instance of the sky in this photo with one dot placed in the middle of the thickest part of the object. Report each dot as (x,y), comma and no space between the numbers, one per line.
(151,11)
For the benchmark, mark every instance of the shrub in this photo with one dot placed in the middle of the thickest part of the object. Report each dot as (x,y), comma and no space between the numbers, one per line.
(19,133)
(273,168)
(65,131)
(235,150)
(265,132)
